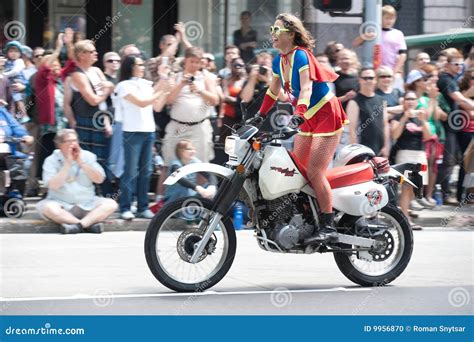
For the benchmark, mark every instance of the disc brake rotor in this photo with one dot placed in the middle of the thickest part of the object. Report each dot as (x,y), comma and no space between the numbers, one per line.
(384,247)
(188,239)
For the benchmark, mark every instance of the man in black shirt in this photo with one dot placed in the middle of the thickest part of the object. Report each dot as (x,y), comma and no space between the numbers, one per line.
(347,83)
(246,37)
(368,117)
(457,102)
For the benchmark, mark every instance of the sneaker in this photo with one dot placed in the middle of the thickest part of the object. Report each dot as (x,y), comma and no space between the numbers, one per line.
(414,205)
(416,227)
(157,206)
(133,209)
(147,214)
(96,228)
(425,203)
(127,215)
(450,201)
(431,200)
(70,228)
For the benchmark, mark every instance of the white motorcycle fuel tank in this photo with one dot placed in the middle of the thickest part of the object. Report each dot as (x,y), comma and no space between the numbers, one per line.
(278,175)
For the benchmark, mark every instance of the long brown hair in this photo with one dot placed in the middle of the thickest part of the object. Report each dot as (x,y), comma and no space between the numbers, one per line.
(302,36)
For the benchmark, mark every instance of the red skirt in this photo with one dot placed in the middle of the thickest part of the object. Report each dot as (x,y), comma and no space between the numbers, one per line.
(327,121)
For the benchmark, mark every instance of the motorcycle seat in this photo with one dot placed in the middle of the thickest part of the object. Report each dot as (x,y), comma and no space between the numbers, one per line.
(347,175)
(341,176)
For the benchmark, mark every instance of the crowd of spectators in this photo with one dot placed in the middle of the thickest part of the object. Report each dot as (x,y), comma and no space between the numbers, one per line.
(96,130)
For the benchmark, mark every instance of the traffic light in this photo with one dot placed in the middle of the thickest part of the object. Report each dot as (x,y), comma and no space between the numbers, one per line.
(333,5)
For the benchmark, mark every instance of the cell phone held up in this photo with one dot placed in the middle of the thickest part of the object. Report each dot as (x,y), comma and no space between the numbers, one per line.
(262,70)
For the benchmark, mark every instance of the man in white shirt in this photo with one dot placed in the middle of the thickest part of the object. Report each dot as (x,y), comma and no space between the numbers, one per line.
(69,173)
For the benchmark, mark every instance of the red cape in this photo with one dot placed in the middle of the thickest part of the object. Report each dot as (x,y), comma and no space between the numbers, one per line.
(318,72)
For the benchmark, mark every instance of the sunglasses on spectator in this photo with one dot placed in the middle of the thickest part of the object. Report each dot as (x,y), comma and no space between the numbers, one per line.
(368,78)
(276,30)
(113,61)
(385,76)
(38,56)
(410,99)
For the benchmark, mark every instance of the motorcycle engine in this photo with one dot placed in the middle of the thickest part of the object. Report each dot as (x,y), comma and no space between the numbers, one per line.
(285,222)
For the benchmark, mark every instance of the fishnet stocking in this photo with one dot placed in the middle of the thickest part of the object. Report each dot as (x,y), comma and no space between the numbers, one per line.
(316,153)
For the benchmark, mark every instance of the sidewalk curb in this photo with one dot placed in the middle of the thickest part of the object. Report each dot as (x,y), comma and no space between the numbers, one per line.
(447,217)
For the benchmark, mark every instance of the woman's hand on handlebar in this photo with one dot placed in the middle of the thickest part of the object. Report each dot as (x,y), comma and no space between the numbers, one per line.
(255,120)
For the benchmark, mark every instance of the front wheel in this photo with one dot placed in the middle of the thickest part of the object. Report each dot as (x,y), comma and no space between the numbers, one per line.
(172,237)
(376,268)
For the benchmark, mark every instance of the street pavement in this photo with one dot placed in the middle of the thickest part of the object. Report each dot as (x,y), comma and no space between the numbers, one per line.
(86,274)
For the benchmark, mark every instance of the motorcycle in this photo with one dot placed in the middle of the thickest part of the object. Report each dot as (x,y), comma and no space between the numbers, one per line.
(191,243)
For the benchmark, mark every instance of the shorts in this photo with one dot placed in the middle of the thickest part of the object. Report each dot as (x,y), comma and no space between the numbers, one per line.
(327,121)
(200,135)
(75,210)
(411,156)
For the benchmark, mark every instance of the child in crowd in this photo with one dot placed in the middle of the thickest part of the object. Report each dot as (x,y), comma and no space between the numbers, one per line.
(13,72)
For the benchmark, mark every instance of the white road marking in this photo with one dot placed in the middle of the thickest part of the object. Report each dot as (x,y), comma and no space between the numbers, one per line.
(187,294)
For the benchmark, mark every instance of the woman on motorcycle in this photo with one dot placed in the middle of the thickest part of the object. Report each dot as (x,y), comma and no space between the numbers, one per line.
(318,111)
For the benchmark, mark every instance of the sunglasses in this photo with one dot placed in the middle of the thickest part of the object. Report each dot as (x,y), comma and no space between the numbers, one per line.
(385,76)
(410,99)
(113,61)
(368,78)
(38,56)
(276,30)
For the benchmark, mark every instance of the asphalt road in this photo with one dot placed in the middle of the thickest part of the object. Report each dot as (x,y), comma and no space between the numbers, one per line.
(52,274)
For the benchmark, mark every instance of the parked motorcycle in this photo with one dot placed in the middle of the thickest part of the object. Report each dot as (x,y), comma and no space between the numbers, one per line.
(191,243)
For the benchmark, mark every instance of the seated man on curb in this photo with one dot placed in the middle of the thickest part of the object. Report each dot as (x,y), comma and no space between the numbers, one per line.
(69,173)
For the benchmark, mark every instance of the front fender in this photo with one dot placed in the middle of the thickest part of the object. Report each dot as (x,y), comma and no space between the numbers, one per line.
(198,167)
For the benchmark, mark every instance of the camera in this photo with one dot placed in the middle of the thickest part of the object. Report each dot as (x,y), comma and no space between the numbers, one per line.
(262,70)
(191,79)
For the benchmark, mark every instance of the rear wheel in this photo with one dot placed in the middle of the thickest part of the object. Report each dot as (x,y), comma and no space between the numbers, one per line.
(172,237)
(381,266)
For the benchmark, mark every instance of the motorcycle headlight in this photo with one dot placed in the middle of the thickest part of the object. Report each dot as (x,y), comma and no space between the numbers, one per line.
(230,146)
